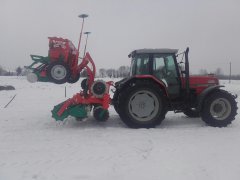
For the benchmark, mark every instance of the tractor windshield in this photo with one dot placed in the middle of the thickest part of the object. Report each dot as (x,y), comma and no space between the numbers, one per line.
(140,64)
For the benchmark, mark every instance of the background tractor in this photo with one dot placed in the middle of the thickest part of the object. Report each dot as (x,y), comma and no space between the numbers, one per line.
(158,84)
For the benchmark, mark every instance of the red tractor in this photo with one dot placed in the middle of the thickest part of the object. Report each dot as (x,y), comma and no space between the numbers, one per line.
(157,85)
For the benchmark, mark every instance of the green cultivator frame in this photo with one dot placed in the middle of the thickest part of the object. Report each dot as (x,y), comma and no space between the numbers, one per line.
(39,72)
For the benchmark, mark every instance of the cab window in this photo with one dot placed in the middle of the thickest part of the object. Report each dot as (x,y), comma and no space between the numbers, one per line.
(140,65)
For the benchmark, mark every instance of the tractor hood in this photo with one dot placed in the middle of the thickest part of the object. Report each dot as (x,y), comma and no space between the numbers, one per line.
(196,81)
(199,83)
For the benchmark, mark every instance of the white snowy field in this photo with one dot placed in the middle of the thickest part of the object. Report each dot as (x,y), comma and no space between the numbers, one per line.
(34,146)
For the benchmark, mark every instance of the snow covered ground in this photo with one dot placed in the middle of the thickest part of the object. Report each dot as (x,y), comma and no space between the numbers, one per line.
(34,146)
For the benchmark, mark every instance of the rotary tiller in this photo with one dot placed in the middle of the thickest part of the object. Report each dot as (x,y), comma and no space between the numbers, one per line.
(94,95)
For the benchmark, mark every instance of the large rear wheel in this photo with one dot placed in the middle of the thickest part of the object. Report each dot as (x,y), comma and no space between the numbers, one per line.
(219,109)
(142,106)
(115,101)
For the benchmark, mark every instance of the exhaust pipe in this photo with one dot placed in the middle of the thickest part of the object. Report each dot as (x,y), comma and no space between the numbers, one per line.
(187,72)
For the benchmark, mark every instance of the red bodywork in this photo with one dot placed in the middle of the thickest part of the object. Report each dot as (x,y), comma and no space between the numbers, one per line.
(63,49)
(89,98)
(199,83)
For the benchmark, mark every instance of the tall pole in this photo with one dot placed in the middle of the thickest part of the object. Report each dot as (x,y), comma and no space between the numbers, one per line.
(230,72)
(87,33)
(83,16)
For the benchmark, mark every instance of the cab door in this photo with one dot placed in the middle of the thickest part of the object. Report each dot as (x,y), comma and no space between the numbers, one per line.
(165,69)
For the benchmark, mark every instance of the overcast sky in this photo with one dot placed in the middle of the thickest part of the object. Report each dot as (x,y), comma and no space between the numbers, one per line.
(211,28)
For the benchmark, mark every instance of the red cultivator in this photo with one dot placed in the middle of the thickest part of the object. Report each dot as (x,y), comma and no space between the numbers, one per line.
(61,66)
(94,94)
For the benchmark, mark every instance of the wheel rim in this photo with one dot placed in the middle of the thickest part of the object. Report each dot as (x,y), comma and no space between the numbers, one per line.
(58,72)
(143,106)
(220,109)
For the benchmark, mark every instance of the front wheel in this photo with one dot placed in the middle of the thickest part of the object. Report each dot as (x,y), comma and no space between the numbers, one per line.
(219,109)
(142,106)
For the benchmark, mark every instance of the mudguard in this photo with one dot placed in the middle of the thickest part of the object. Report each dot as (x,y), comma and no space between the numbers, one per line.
(205,93)
(125,82)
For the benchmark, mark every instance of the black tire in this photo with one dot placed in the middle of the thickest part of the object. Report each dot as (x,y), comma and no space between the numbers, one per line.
(191,112)
(142,105)
(100,114)
(84,84)
(115,101)
(219,109)
(58,72)
(73,80)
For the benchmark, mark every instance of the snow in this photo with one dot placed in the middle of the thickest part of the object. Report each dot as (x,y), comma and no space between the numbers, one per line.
(34,146)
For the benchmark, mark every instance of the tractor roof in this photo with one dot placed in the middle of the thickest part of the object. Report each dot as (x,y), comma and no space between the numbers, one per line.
(154,51)
(157,50)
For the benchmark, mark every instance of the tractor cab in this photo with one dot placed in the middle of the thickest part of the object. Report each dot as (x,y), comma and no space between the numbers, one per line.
(159,63)
(163,66)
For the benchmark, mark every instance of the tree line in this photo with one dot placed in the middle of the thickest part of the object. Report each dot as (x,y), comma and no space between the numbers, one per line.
(19,71)
(121,72)
(219,74)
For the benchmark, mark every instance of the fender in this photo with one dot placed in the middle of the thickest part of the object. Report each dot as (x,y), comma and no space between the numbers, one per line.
(124,82)
(205,93)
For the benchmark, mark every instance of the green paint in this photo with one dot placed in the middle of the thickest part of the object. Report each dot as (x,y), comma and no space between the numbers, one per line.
(77,111)
(40,78)
(55,111)
(102,113)
(38,59)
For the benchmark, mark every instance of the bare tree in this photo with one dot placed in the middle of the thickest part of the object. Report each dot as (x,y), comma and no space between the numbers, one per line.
(83,73)
(18,70)
(3,72)
(110,72)
(123,71)
(203,72)
(219,71)
(102,72)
